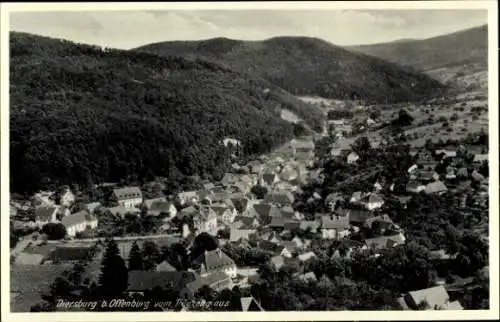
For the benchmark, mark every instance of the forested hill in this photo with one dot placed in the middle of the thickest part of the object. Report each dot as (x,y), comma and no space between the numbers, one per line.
(463,47)
(84,114)
(309,66)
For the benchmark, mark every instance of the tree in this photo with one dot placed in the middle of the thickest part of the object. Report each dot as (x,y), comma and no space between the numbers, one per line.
(404,118)
(361,146)
(135,261)
(259,191)
(54,231)
(113,280)
(151,255)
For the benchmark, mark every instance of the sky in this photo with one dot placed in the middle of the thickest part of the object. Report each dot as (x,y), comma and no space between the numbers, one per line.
(130,29)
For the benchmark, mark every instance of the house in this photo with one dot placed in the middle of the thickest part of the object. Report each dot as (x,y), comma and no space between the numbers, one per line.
(122,211)
(372,201)
(477,176)
(216,261)
(255,166)
(268,178)
(287,249)
(160,207)
(462,173)
(277,223)
(208,186)
(226,213)
(347,247)
(437,187)
(91,207)
(352,157)
(334,226)
(250,304)
(142,281)
(165,267)
(66,198)
(28,259)
(129,197)
(280,198)
(237,234)
(383,222)
(312,225)
(414,186)
(217,281)
(188,197)
(357,196)
(450,173)
(229,179)
(244,222)
(356,216)
(45,215)
(480,158)
(446,153)
(305,257)
(434,298)
(205,220)
(303,148)
(288,173)
(78,222)
(147,203)
(278,261)
(307,277)
(383,242)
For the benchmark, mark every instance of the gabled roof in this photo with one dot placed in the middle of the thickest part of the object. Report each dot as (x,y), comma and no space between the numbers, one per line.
(165,267)
(291,224)
(480,157)
(216,259)
(285,197)
(436,186)
(278,261)
(161,206)
(312,224)
(310,276)
(250,304)
(305,145)
(44,213)
(435,296)
(75,219)
(385,241)
(147,280)
(149,202)
(307,256)
(127,193)
(384,219)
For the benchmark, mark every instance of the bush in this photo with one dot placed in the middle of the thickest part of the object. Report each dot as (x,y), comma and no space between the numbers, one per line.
(454,117)
(54,231)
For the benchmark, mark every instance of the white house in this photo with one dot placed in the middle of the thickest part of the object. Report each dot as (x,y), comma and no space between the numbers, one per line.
(188,197)
(352,157)
(129,197)
(217,260)
(78,222)
(334,227)
(205,220)
(67,198)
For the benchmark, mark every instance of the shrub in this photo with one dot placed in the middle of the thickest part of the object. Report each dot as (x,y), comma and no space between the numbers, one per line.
(54,231)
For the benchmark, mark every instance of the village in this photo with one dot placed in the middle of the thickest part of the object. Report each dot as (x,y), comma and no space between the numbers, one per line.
(251,211)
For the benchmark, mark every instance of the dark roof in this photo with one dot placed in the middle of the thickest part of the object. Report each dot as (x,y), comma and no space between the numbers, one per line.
(209,280)
(44,213)
(160,206)
(70,253)
(280,197)
(127,193)
(147,280)
(289,225)
(216,259)
(75,219)
(268,246)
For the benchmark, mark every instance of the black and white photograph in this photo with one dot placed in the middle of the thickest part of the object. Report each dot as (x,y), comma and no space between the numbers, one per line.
(241,159)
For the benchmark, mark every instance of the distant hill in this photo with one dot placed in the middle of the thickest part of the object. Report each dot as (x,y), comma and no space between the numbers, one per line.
(459,48)
(309,66)
(456,58)
(80,114)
